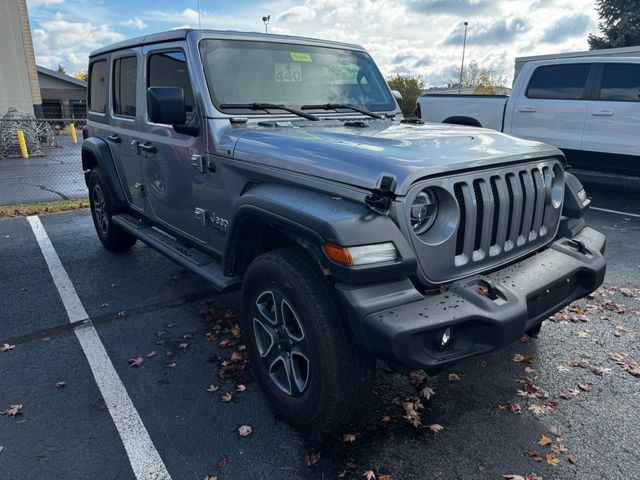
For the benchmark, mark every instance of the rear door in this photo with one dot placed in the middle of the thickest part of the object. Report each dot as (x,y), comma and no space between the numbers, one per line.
(612,128)
(553,106)
(174,187)
(123,137)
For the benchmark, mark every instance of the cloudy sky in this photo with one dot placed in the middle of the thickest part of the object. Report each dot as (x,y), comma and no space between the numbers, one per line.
(403,36)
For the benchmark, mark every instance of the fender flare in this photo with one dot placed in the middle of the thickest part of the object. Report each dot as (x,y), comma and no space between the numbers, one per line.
(95,148)
(312,218)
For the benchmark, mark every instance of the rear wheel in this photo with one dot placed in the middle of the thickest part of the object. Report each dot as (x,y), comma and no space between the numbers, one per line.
(301,350)
(102,209)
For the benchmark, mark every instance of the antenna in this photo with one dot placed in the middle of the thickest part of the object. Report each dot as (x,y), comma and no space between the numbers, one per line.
(199,22)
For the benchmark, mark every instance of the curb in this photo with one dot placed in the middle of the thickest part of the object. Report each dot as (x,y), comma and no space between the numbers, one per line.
(601,179)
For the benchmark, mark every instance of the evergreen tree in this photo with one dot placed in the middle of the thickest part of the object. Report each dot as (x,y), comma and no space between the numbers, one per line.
(619,24)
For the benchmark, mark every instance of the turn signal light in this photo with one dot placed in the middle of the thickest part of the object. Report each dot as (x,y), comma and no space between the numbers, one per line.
(362,255)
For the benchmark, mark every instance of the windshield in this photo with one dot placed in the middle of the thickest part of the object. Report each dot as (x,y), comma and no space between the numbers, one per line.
(244,72)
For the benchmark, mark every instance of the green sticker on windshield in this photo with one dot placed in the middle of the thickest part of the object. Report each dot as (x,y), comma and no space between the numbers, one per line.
(300,57)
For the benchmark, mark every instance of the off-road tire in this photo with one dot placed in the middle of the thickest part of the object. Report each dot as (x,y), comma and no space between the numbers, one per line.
(341,375)
(102,209)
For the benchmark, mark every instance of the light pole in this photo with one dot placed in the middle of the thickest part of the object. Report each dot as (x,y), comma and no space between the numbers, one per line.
(265,20)
(464,45)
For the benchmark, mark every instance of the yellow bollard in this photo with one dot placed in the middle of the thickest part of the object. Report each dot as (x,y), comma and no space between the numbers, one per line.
(22,144)
(74,137)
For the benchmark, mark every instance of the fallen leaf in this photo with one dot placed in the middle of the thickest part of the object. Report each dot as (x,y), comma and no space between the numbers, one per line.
(454,377)
(483,290)
(544,440)
(385,419)
(369,475)
(235,330)
(136,362)
(570,458)
(151,354)
(427,393)
(417,378)
(552,459)
(223,462)
(502,407)
(600,370)
(348,438)
(523,358)
(587,387)
(6,347)
(385,476)
(617,357)
(172,365)
(538,409)
(554,431)
(436,427)
(584,334)
(566,394)
(227,397)
(183,345)
(244,430)
(226,343)
(515,408)
(528,370)
(513,477)
(60,384)
(311,459)
(535,455)
(13,410)
(1,448)
(240,387)
(212,388)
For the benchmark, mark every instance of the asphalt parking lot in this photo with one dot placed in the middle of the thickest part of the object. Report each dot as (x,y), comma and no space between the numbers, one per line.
(172,410)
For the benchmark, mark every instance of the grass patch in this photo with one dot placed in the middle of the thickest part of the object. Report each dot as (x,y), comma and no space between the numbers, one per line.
(24,209)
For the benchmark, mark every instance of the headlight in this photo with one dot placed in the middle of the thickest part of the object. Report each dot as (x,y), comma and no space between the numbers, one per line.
(362,255)
(424,211)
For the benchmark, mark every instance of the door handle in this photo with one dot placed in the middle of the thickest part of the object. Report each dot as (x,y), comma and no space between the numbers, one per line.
(527,109)
(147,147)
(115,138)
(602,113)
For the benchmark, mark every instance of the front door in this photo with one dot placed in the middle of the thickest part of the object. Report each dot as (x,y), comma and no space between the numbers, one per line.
(553,106)
(612,128)
(172,183)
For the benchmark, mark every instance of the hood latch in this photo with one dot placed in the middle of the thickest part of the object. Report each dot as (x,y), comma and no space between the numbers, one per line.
(380,198)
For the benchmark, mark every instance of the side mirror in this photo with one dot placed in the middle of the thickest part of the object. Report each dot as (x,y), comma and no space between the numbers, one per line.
(166,105)
(398,96)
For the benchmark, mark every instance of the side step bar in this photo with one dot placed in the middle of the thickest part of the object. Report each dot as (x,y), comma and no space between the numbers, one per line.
(190,258)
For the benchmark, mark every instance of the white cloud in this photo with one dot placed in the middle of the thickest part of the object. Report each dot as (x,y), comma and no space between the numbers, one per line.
(42,3)
(59,41)
(135,22)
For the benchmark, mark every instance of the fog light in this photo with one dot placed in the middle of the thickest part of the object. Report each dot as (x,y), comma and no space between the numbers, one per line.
(445,338)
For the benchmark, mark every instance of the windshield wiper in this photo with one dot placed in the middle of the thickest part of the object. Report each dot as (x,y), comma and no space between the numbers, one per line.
(336,106)
(269,106)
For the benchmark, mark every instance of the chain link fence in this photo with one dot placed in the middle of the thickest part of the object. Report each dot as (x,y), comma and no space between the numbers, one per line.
(40,159)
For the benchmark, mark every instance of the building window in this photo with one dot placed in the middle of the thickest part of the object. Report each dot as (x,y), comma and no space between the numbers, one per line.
(125,74)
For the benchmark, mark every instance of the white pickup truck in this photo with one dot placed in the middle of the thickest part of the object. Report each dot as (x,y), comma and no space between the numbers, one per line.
(588,107)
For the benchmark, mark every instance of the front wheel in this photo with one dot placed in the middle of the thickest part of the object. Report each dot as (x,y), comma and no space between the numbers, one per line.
(102,209)
(300,347)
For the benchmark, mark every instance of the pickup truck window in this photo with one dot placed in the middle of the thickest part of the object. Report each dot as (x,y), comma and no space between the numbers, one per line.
(246,72)
(559,82)
(98,86)
(125,72)
(620,82)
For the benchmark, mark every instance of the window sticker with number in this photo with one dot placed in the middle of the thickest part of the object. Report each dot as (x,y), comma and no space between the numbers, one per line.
(288,72)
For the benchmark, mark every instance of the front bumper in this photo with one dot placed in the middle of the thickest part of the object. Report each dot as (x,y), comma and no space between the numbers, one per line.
(402,326)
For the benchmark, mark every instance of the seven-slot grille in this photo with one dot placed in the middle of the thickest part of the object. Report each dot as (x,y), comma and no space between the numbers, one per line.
(502,212)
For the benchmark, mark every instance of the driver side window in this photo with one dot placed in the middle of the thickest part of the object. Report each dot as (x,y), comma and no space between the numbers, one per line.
(169,69)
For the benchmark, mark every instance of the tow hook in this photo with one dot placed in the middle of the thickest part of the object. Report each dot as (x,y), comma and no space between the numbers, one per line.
(580,246)
(380,198)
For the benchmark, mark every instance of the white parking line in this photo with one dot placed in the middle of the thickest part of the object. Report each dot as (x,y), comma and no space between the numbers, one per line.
(143,456)
(626,214)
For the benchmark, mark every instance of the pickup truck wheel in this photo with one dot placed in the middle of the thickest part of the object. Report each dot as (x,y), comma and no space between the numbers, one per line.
(301,350)
(102,209)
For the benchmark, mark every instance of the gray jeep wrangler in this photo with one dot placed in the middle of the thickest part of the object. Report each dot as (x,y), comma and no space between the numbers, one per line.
(283,166)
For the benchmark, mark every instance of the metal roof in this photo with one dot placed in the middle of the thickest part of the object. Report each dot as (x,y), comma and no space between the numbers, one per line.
(61,76)
(181,34)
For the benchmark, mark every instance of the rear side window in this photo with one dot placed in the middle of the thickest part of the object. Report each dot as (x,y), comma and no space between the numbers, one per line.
(620,82)
(559,82)
(169,69)
(125,74)
(98,87)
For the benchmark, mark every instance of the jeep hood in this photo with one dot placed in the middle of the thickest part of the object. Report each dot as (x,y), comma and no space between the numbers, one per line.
(360,155)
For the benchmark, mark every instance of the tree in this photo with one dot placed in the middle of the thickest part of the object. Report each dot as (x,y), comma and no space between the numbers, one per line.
(61,69)
(619,24)
(410,86)
(475,76)
(485,87)
(81,75)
